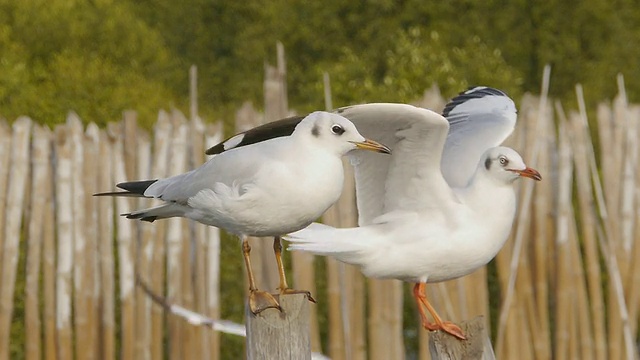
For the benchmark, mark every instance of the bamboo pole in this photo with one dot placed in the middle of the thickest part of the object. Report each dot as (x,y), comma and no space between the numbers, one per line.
(49,278)
(588,232)
(5,161)
(105,249)
(213,134)
(41,190)
(606,242)
(19,169)
(633,283)
(143,303)
(154,246)
(124,239)
(64,224)
(190,340)
(91,275)
(80,322)
(177,165)
(565,214)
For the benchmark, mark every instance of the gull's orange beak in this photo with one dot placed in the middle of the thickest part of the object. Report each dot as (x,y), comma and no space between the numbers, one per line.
(372,146)
(530,173)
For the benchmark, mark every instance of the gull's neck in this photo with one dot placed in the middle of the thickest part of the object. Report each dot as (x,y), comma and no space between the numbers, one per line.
(485,193)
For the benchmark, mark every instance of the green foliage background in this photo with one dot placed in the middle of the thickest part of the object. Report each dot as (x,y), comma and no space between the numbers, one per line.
(100,57)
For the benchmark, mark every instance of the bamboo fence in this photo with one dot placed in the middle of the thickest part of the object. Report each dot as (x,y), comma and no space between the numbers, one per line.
(566,285)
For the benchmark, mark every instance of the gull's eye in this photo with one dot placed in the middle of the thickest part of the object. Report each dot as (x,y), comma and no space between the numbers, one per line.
(503,160)
(337,129)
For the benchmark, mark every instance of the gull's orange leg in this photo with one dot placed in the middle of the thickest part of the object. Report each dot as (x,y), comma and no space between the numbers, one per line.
(419,294)
(284,287)
(258,300)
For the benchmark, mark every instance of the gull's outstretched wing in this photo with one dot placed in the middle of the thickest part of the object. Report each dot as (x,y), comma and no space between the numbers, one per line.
(409,179)
(480,118)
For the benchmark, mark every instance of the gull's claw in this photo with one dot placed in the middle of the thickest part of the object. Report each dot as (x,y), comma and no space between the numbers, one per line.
(293,291)
(446,326)
(262,300)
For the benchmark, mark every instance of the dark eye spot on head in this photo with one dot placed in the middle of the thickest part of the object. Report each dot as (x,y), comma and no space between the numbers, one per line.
(337,129)
(487,163)
(315,131)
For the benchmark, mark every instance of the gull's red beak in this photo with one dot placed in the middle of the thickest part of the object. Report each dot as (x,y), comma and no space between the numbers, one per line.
(530,173)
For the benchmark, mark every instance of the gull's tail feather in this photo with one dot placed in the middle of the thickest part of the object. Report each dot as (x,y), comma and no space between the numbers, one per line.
(319,239)
(132,189)
(155,213)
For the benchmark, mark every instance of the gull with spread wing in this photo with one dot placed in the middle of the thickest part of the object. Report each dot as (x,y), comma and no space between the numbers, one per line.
(441,206)
(271,187)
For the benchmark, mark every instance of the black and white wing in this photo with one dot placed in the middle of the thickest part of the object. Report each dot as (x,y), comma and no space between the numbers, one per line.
(480,118)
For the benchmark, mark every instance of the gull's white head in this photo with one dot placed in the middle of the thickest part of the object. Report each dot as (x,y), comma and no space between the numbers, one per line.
(335,132)
(506,164)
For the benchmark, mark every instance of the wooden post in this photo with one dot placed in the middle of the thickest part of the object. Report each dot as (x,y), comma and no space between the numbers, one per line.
(477,346)
(280,335)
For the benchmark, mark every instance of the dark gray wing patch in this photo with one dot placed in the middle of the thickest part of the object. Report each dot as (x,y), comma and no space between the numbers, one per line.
(474,92)
(260,133)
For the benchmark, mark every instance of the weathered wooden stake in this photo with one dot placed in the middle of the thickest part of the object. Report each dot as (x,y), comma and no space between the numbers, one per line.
(280,335)
(443,346)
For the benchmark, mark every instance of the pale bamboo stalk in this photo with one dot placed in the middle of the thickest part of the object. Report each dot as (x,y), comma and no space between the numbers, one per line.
(592,257)
(41,190)
(49,278)
(386,320)
(5,160)
(142,301)
(190,340)
(543,234)
(91,290)
(197,136)
(529,321)
(126,258)
(627,219)
(605,236)
(357,312)
(213,135)
(177,165)
(64,222)
(16,191)
(633,283)
(129,134)
(193,92)
(475,299)
(349,280)
(564,217)
(583,331)
(80,325)
(154,246)
(525,348)
(105,249)
(544,231)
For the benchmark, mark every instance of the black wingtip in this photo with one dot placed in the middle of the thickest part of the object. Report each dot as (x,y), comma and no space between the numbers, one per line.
(473,92)
(136,187)
(264,132)
(118,193)
(140,217)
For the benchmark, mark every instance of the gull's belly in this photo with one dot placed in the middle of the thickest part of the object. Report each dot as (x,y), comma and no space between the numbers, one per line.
(279,202)
(439,255)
